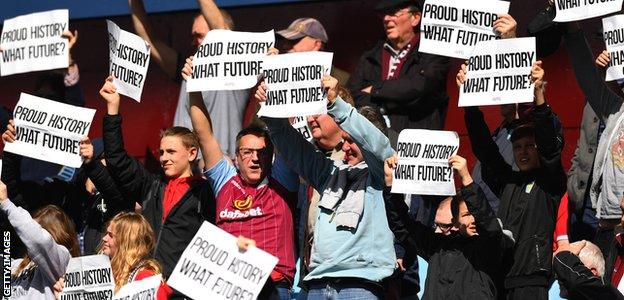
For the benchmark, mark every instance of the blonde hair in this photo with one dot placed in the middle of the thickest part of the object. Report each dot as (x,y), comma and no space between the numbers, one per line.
(55,221)
(135,240)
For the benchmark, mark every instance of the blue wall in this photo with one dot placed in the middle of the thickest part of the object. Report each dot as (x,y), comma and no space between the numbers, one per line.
(79,9)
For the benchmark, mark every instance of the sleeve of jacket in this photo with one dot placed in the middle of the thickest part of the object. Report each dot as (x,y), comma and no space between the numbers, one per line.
(299,154)
(25,194)
(578,279)
(374,144)
(416,88)
(50,257)
(549,146)
(132,178)
(357,81)
(74,96)
(105,184)
(485,218)
(494,169)
(602,100)
(415,237)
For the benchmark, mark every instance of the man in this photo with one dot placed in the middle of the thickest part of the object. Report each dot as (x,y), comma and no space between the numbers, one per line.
(226,108)
(580,268)
(529,197)
(463,264)
(302,35)
(175,205)
(353,248)
(408,86)
(256,201)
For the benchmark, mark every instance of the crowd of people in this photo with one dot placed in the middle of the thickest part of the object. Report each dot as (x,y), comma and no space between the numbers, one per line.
(324,208)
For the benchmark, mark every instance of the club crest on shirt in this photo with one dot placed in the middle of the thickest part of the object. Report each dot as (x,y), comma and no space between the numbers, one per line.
(243,204)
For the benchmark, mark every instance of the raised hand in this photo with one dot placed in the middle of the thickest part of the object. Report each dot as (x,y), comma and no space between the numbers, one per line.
(460,165)
(389,164)
(9,134)
(461,74)
(108,92)
(187,71)
(603,59)
(86,150)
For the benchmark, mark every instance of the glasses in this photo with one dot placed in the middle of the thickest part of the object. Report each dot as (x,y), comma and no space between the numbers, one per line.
(248,152)
(394,14)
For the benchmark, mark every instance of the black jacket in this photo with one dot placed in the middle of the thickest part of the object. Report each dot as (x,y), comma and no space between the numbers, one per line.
(459,267)
(579,281)
(529,200)
(196,205)
(416,99)
(70,196)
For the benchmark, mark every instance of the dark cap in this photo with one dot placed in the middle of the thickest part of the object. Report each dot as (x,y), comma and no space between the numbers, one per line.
(385,5)
(305,27)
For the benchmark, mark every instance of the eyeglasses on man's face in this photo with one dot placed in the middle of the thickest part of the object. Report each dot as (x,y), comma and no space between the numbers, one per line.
(248,152)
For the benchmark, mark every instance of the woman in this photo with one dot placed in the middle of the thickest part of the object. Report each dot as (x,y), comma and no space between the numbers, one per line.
(50,240)
(128,241)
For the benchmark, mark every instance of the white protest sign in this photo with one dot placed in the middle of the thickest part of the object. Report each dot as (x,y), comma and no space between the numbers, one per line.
(212,267)
(129,57)
(613,34)
(49,130)
(301,124)
(88,277)
(499,72)
(294,84)
(452,27)
(33,42)
(574,10)
(144,289)
(423,166)
(229,60)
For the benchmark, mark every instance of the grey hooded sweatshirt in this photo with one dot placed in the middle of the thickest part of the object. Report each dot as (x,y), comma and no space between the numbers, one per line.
(48,259)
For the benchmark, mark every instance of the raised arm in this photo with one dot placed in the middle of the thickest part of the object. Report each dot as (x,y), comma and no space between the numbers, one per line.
(493,164)
(50,257)
(374,144)
(21,192)
(589,78)
(414,236)
(200,118)
(212,14)
(101,178)
(165,56)
(487,223)
(131,176)
(300,155)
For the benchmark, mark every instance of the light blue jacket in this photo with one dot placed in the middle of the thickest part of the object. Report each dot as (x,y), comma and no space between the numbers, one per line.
(368,251)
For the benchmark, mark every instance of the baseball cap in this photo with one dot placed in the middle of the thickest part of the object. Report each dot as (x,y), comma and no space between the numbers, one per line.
(385,5)
(304,27)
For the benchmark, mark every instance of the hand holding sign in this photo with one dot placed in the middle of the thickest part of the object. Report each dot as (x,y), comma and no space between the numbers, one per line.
(244,243)
(603,59)
(389,165)
(330,85)
(109,93)
(459,164)
(537,77)
(9,134)
(86,150)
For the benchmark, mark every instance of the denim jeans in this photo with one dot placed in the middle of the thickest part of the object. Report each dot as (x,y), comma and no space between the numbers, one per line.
(284,293)
(341,292)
